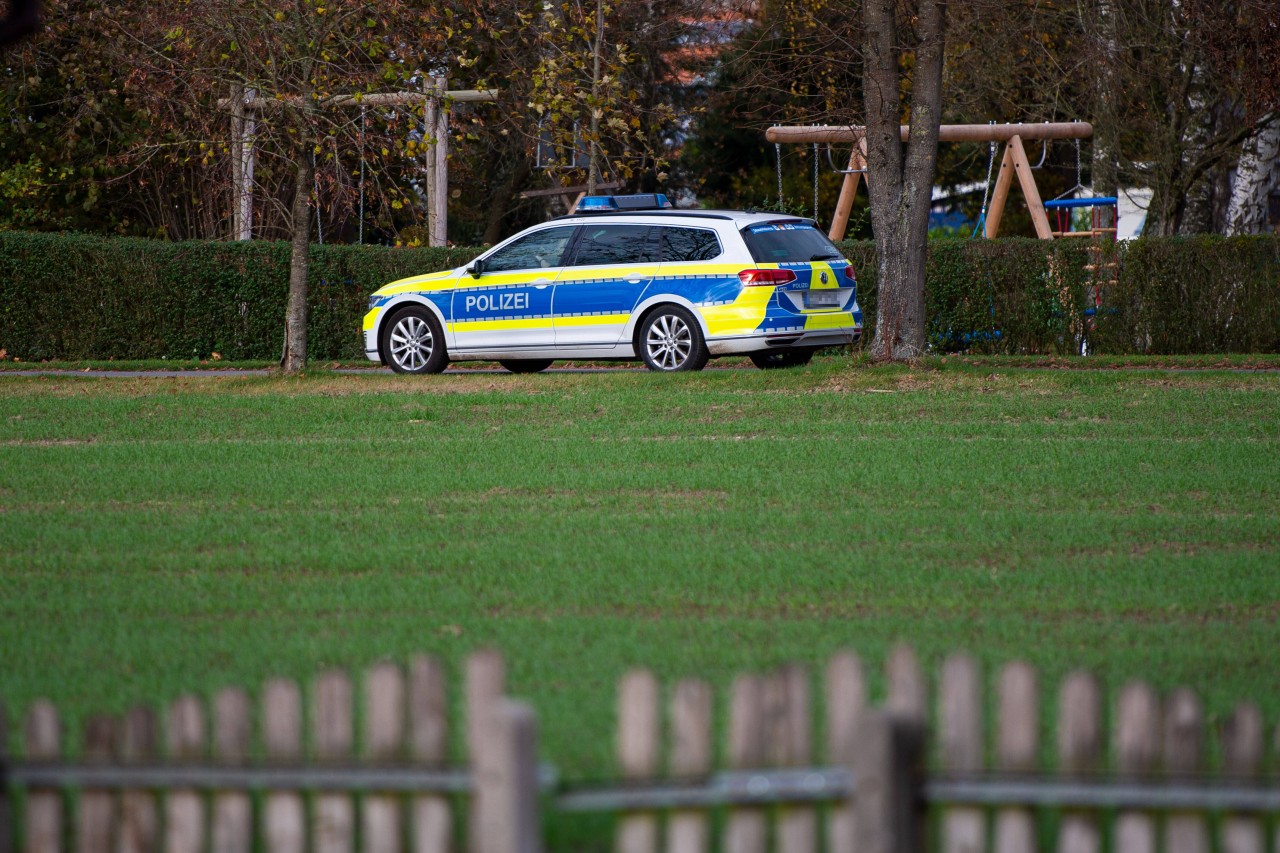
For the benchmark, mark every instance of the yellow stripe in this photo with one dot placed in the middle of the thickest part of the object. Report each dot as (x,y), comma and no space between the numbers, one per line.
(371,318)
(815,283)
(832,320)
(602,320)
(702,268)
(742,316)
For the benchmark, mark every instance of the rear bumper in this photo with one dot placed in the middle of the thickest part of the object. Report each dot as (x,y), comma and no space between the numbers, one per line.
(761,342)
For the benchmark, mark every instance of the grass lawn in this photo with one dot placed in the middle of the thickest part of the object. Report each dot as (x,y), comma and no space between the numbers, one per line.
(160,536)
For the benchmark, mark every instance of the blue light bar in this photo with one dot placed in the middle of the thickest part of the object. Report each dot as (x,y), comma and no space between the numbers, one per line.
(615,203)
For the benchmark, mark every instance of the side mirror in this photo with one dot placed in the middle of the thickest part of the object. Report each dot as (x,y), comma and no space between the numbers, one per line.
(476,268)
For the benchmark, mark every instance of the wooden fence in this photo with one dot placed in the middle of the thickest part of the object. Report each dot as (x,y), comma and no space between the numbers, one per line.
(873,783)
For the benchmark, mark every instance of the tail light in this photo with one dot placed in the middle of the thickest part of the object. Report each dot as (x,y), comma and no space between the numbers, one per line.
(762,278)
(849,274)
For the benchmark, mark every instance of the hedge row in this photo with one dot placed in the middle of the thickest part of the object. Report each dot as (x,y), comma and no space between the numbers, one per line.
(86,297)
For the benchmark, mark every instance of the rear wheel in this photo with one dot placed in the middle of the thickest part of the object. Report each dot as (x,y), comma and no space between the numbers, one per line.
(774,359)
(671,341)
(525,365)
(412,342)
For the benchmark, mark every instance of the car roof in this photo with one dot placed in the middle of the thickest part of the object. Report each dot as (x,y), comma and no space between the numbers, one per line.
(742,218)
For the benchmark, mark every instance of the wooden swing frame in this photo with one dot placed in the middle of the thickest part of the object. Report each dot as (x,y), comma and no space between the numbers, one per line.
(1014,162)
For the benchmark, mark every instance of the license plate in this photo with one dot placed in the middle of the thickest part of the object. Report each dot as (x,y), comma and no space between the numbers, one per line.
(822,300)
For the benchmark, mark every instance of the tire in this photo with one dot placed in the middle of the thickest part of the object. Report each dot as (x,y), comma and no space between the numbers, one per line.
(671,341)
(525,365)
(412,342)
(776,359)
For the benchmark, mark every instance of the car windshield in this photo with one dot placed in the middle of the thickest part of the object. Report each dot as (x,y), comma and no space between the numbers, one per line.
(788,241)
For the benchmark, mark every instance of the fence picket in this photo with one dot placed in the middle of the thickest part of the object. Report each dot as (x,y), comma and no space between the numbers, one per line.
(908,693)
(513,784)
(1185,832)
(846,700)
(1079,753)
(960,711)
(95,832)
(285,828)
(888,762)
(690,757)
(43,742)
(638,739)
(184,809)
(232,830)
(745,827)
(6,809)
(429,744)
(1137,745)
(384,735)
(486,683)
(332,732)
(1017,745)
(139,815)
(797,824)
(1242,759)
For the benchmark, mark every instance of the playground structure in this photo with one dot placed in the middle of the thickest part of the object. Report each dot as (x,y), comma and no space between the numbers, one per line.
(1013,162)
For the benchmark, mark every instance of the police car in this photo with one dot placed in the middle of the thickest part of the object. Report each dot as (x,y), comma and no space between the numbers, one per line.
(626,277)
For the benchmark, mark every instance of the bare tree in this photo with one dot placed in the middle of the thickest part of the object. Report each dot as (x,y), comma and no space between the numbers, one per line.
(901,182)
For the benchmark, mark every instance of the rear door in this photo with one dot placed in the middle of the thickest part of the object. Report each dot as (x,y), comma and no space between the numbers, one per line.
(608,271)
(508,306)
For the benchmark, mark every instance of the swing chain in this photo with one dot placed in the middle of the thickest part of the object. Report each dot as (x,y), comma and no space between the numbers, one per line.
(986,188)
(777,155)
(815,182)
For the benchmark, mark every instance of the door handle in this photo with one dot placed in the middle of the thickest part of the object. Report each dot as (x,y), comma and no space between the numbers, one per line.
(634,280)
(541,283)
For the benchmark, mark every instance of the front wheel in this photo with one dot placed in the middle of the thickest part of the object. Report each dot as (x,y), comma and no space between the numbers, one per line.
(413,342)
(671,341)
(525,365)
(774,359)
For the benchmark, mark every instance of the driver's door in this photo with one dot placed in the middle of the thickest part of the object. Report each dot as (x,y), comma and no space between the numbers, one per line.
(508,304)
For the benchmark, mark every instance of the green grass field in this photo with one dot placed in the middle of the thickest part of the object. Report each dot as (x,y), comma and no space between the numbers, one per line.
(161,536)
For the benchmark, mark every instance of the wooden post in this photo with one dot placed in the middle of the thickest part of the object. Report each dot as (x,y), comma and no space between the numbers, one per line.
(512,789)
(745,827)
(430,123)
(1000,194)
(184,809)
(96,832)
(333,819)
(436,138)
(43,742)
(429,745)
(284,826)
(1242,760)
(1185,832)
(486,682)
(232,817)
(1027,179)
(690,758)
(792,747)
(960,711)
(1079,754)
(638,736)
(846,701)
(139,817)
(1137,746)
(849,190)
(1017,745)
(887,770)
(384,730)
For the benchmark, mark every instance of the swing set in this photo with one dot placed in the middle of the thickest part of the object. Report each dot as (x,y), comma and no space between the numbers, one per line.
(1014,162)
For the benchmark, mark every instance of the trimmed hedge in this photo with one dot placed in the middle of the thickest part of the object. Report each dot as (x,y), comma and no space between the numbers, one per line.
(87,297)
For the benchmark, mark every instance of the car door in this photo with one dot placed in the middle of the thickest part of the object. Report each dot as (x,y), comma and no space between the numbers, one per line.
(607,273)
(506,304)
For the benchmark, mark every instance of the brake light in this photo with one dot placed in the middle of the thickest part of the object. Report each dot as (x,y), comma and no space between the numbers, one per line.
(761,278)
(849,274)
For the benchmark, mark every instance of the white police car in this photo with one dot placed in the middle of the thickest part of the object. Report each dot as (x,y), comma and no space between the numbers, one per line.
(626,277)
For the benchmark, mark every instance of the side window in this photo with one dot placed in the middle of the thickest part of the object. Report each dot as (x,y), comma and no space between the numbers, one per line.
(615,244)
(689,244)
(538,250)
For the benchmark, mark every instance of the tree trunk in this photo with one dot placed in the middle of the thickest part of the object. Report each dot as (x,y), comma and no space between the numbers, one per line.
(593,167)
(294,357)
(901,187)
(1256,174)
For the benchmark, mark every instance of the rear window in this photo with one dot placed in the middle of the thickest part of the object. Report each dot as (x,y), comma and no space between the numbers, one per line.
(788,242)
